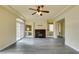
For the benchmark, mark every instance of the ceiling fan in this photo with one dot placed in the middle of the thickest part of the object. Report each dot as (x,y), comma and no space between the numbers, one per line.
(39,10)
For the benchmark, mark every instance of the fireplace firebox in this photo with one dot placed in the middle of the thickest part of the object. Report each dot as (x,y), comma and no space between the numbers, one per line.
(40,33)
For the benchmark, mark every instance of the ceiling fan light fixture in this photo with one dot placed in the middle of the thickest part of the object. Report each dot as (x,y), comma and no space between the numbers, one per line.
(39,13)
(39,10)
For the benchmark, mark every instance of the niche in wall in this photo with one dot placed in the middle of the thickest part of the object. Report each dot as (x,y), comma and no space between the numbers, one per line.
(28,29)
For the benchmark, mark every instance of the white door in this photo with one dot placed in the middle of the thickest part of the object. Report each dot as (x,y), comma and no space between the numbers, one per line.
(19,29)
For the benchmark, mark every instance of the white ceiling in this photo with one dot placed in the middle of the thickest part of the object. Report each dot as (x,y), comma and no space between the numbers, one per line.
(24,10)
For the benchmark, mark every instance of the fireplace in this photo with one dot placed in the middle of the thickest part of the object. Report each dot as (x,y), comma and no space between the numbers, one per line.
(40,33)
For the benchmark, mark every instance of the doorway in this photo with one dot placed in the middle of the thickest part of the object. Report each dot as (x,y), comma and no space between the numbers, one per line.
(61,28)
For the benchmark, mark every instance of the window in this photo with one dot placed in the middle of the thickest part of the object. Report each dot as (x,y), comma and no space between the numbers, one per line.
(51,27)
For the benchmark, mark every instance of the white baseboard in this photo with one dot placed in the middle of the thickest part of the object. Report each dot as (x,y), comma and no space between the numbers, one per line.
(73,48)
(29,37)
(7,45)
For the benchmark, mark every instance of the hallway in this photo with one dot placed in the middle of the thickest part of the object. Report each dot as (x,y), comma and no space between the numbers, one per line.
(39,46)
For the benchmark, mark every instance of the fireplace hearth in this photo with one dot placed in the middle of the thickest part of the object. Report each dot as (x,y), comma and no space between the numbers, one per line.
(40,33)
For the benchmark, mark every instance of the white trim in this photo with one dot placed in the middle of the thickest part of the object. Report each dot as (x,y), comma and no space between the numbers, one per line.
(12,10)
(23,17)
(63,11)
(7,45)
(10,44)
(50,36)
(29,36)
(72,47)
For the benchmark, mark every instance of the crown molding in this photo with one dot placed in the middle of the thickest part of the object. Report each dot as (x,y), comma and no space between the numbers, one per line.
(18,14)
(13,11)
(64,10)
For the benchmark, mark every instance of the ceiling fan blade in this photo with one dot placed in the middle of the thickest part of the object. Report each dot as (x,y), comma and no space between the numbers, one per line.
(34,13)
(41,6)
(45,11)
(32,9)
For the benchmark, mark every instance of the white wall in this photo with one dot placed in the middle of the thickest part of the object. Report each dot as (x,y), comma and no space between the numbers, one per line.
(7,28)
(71,27)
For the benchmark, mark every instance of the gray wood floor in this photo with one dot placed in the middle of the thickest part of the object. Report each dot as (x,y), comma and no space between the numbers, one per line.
(39,46)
